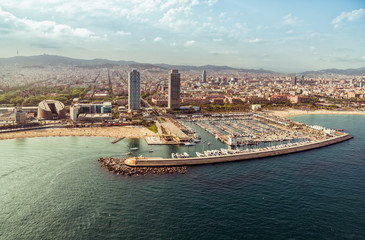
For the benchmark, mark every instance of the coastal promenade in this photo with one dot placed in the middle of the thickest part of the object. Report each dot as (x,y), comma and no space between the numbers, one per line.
(162,162)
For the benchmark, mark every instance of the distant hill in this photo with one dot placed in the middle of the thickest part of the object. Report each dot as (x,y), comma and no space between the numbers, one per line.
(350,71)
(53,60)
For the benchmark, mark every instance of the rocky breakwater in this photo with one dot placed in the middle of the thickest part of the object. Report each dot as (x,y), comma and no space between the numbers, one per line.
(117,166)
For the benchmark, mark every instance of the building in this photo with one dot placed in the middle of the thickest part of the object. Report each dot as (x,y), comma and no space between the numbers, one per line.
(159,101)
(51,110)
(134,91)
(173,101)
(256,107)
(15,116)
(204,76)
(95,108)
(294,81)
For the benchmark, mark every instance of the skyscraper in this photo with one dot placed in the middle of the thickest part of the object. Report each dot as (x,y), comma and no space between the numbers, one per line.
(174,89)
(204,76)
(294,80)
(134,91)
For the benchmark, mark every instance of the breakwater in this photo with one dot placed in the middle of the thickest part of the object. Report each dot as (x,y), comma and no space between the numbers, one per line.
(117,166)
(155,161)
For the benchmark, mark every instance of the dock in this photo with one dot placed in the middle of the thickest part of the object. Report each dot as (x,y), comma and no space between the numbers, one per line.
(160,162)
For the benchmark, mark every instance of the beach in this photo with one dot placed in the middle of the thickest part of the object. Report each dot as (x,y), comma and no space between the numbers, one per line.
(114,132)
(297,112)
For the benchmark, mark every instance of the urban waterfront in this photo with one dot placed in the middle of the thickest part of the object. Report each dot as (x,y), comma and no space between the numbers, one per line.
(54,188)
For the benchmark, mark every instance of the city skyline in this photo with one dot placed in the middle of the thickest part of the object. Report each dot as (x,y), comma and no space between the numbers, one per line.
(282,36)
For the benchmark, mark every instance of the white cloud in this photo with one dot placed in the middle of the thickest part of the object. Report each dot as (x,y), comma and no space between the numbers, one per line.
(189,43)
(123,33)
(223,52)
(211,2)
(347,16)
(173,44)
(217,39)
(157,39)
(291,21)
(42,29)
(256,40)
(178,18)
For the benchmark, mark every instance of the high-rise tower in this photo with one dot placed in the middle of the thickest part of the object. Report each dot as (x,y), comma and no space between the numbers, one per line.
(204,76)
(294,80)
(134,91)
(174,89)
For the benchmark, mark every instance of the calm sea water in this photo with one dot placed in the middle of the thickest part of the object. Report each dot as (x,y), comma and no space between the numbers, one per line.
(53,188)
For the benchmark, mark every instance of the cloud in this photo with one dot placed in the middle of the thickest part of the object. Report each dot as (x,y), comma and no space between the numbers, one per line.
(347,16)
(291,21)
(41,29)
(189,43)
(211,2)
(257,40)
(123,33)
(173,44)
(178,18)
(217,39)
(157,39)
(224,52)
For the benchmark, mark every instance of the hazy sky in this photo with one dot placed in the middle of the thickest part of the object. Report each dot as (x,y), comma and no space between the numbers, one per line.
(289,36)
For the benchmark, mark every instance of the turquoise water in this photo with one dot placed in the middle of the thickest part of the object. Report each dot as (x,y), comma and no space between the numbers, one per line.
(53,188)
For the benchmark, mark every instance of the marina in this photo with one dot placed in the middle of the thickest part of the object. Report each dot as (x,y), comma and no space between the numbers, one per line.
(248,129)
(216,156)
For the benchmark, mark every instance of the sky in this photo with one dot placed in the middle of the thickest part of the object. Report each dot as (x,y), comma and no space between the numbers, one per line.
(282,35)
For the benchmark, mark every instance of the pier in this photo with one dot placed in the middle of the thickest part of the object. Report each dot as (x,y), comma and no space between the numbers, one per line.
(163,162)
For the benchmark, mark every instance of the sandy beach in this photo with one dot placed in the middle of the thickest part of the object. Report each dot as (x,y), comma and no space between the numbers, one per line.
(296,112)
(114,132)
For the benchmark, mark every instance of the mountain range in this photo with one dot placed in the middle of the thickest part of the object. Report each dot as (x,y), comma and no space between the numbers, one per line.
(53,60)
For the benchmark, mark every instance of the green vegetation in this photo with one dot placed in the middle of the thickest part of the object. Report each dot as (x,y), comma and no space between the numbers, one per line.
(32,95)
(145,95)
(153,128)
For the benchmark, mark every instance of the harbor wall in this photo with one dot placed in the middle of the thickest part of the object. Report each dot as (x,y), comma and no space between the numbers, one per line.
(154,161)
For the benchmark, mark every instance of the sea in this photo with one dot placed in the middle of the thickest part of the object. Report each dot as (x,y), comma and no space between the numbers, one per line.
(54,188)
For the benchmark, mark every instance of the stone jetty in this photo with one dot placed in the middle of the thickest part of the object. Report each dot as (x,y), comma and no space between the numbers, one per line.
(117,166)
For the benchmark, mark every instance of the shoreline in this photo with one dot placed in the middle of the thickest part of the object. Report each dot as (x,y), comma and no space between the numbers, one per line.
(297,112)
(112,132)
